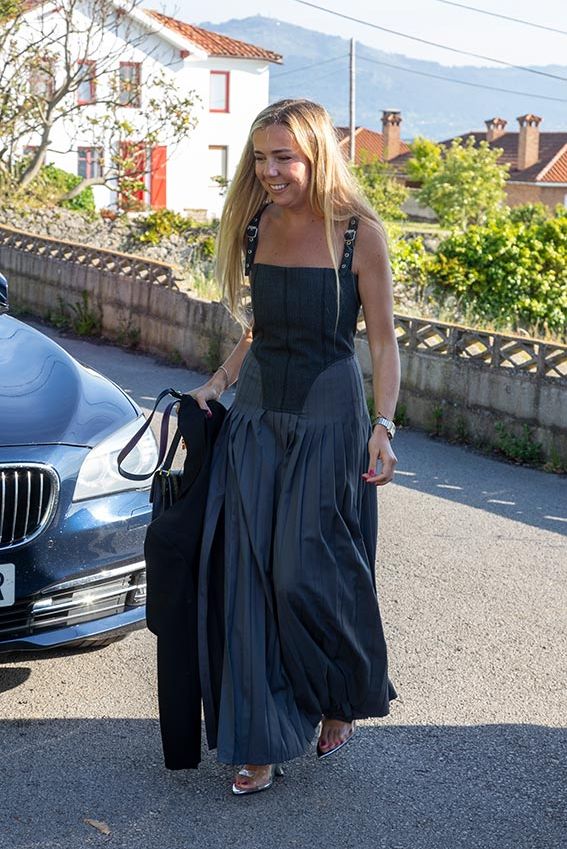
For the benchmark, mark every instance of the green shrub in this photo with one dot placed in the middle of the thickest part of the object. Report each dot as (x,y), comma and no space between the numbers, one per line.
(410,262)
(382,190)
(520,449)
(53,183)
(160,224)
(530,213)
(508,272)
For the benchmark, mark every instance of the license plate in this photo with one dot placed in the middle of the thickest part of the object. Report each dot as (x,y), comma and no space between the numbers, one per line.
(7,584)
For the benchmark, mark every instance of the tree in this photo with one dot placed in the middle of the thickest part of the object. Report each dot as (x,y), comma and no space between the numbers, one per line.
(60,80)
(425,160)
(462,183)
(383,192)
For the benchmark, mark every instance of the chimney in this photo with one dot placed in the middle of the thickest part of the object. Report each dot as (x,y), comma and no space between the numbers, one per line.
(391,120)
(495,128)
(528,141)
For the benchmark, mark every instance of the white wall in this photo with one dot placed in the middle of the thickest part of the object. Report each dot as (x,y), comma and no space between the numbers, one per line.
(188,181)
(191,186)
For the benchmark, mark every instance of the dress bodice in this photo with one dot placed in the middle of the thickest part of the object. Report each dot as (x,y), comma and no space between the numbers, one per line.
(302,324)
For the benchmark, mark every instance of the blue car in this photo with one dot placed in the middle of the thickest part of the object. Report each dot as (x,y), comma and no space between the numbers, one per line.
(71,528)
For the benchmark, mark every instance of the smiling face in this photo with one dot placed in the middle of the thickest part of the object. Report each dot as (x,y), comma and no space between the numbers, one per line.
(281,167)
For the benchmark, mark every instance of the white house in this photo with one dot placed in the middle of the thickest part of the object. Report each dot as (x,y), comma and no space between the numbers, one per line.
(230,79)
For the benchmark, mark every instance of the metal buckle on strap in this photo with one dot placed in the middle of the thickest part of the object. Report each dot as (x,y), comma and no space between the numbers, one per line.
(350,234)
(252,231)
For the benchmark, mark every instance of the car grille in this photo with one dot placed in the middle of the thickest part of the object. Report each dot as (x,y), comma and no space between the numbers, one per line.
(72,602)
(28,498)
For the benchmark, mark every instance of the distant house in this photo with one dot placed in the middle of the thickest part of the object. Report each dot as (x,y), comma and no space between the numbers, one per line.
(370,145)
(538,160)
(229,77)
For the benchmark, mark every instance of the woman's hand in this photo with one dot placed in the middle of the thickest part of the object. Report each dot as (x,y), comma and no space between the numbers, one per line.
(209,391)
(380,450)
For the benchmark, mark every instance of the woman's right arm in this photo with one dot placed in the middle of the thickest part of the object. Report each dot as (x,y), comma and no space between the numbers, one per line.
(225,375)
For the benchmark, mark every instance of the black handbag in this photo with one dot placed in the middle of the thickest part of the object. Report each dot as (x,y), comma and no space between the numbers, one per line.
(166,486)
(167,482)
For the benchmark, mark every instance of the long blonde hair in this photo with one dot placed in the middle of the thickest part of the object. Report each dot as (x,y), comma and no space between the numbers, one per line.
(334,193)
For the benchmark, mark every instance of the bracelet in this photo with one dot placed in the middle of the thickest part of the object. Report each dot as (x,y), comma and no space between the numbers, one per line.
(222,368)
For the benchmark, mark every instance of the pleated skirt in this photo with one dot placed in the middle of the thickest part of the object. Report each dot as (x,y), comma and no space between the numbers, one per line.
(301,630)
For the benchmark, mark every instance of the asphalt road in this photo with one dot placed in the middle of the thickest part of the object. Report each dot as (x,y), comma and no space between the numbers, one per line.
(472,576)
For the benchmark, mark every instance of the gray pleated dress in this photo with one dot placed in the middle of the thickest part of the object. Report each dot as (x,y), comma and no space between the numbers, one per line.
(294,525)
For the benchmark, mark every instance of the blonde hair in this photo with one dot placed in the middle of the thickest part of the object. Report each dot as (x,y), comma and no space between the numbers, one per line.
(334,193)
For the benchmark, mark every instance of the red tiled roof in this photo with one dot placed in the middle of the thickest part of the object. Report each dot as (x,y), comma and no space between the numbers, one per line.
(368,144)
(556,170)
(551,166)
(212,42)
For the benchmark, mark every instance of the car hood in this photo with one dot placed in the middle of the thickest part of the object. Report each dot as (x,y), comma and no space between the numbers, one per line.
(47,397)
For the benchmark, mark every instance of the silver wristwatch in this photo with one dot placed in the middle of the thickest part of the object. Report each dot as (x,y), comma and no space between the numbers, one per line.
(387,423)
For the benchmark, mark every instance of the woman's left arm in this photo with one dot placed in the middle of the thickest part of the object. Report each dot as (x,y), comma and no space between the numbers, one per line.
(376,294)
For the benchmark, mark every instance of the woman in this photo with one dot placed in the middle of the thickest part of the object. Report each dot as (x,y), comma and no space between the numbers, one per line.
(297,462)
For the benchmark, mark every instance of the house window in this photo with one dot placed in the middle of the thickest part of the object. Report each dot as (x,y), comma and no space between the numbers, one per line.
(89,162)
(42,79)
(86,90)
(219,91)
(217,166)
(130,84)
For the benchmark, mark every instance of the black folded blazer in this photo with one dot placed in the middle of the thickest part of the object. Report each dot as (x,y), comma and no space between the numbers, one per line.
(172,549)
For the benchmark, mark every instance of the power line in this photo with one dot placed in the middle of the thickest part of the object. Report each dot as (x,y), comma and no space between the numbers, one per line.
(307,67)
(431,43)
(502,17)
(463,82)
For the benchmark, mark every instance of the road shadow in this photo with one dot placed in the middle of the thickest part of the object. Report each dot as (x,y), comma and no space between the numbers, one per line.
(393,786)
(460,474)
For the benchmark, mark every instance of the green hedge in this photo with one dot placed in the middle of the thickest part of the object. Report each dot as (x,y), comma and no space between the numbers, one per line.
(512,272)
(54,183)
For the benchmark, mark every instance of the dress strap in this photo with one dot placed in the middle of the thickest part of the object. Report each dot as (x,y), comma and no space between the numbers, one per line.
(252,241)
(350,236)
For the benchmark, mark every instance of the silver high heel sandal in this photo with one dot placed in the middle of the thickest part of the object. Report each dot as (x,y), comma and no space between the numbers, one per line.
(322,753)
(275,770)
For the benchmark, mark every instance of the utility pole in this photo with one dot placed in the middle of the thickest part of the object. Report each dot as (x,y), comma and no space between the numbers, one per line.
(352,100)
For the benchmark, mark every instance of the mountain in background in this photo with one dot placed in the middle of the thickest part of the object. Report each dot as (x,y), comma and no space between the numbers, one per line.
(430,105)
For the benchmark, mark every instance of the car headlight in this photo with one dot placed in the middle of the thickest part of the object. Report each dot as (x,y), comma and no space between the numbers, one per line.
(99,473)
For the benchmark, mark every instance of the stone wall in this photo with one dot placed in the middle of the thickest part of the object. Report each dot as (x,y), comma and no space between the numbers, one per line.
(132,298)
(456,381)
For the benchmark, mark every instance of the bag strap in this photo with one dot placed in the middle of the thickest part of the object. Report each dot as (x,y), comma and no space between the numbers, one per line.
(164,435)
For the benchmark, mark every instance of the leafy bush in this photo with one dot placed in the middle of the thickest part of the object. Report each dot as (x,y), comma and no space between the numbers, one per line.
(384,193)
(410,262)
(163,223)
(530,213)
(508,272)
(53,182)
(160,224)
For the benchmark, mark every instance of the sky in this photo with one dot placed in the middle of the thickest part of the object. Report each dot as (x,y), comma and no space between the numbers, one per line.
(428,19)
